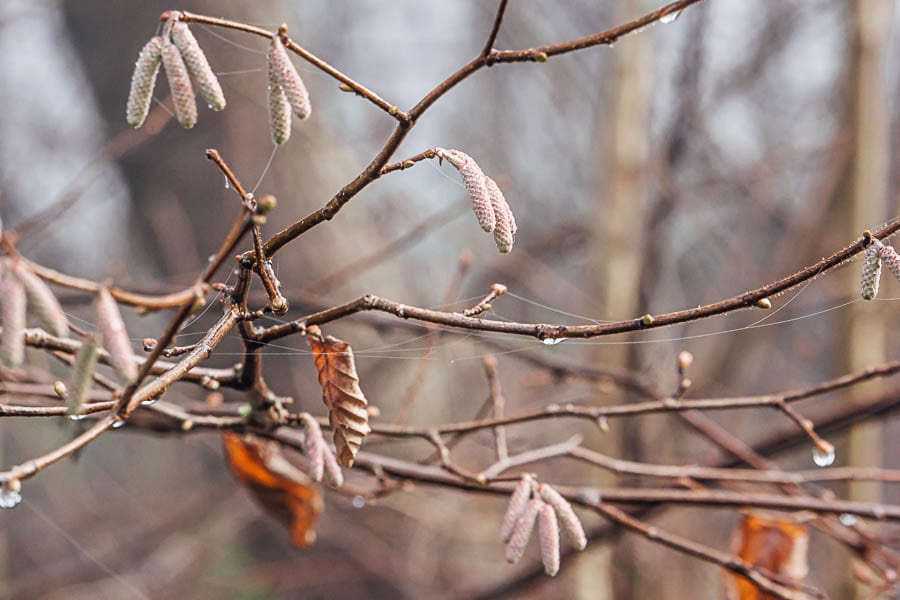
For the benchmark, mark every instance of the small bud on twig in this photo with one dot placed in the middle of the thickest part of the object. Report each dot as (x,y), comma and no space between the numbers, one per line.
(143,80)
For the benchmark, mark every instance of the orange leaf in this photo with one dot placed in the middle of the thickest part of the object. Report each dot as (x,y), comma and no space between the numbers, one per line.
(347,406)
(285,492)
(778,546)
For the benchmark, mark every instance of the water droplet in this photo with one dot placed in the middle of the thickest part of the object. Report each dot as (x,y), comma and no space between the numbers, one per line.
(552,341)
(76,417)
(118,423)
(823,459)
(150,401)
(603,423)
(227,184)
(670,18)
(358,502)
(9,498)
(878,511)
(847,519)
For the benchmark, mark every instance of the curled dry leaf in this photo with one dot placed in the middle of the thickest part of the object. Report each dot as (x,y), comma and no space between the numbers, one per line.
(284,492)
(779,546)
(870,277)
(340,389)
(180,85)
(143,80)
(517,502)
(42,302)
(114,336)
(198,66)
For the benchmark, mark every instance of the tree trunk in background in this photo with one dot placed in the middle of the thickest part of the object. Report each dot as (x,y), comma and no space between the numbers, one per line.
(866,336)
(618,224)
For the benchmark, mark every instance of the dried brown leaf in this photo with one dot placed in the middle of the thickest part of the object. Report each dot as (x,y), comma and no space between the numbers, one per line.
(285,492)
(778,546)
(342,395)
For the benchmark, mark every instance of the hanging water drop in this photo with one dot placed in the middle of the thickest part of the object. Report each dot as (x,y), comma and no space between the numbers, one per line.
(227,184)
(118,423)
(847,520)
(76,417)
(9,494)
(670,17)
(552,341)
(823,458)
(150,401)
(358,502)
(603,423)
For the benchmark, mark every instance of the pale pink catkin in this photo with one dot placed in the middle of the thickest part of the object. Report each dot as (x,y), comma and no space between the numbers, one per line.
(82,376)
(504,226)
(521,533)
(474,180)
(42,302)
(143,80)
(198,66)
(12,319)
(870,277)
(568,520)
(288,78)
(279,109)
(180,85)
(314,444)
(517,502)
(114,335)
(548,529)
(891,260)
(332,469)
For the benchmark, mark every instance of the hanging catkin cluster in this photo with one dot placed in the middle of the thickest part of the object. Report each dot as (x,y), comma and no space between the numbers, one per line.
(490,206)
(538,502)
(318,454)
(23,293)
(286,90)
(876,255)
(178,51)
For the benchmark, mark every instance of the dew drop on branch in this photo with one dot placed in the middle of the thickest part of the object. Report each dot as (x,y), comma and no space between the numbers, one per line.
(358,502)
(76,417)
(670,18)
(847,520)
(823,458)
(118,423)
(227,184)
(552,341)
(9,497)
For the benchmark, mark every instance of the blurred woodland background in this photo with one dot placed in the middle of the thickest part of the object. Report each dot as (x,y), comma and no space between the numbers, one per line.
(686,164)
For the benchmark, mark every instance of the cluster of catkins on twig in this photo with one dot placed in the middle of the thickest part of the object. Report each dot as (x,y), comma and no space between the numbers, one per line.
(320,459)
(532,501)
(180,54)
(876,255)
(490,206)
(286,90)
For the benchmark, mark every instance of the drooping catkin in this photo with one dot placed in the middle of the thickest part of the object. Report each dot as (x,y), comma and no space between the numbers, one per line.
(870,276)
(114,336)
(333,472)
(517,502)
(288,78)
(891,260)
(198,66)
(82,376)
(314,444)
(504,226)
(143,81)
(473,178)
(568,520)
(548,529)
(180,85)
(42,302)
(279,109)
(12,319)
(521,533)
